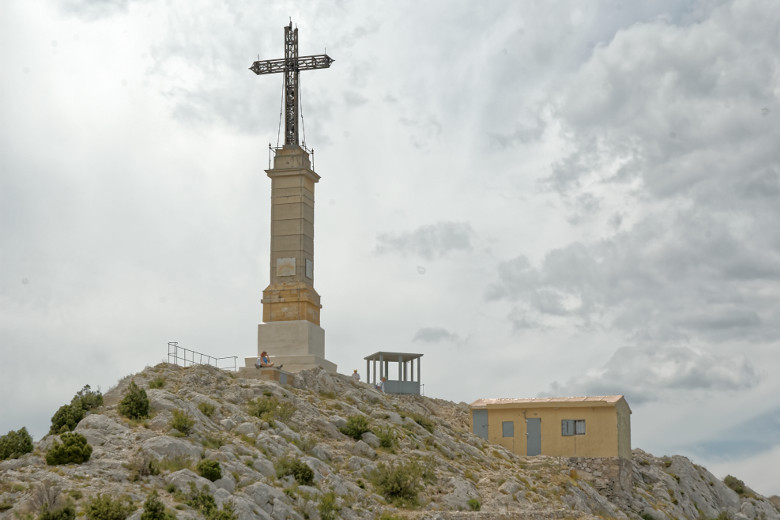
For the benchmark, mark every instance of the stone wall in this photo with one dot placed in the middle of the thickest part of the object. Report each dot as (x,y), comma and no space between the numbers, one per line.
(609,475)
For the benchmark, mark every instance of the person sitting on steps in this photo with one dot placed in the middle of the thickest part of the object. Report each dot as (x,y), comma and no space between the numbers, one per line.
(264,362)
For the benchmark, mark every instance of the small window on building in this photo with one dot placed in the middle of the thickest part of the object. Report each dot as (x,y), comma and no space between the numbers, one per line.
(508,428)
(572,427)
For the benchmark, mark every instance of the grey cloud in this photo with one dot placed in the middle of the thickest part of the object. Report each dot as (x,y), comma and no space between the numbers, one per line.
(649,373)
(434,335)
(746,438)
(679,107)
(429,241)
(687,276)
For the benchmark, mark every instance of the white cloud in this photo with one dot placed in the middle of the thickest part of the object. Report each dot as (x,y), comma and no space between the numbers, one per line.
(429,242)
(651,373)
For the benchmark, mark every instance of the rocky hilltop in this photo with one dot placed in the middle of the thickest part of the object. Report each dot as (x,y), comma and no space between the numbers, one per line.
(300,451)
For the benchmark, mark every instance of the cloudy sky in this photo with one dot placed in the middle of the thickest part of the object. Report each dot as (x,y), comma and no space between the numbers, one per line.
(543,198)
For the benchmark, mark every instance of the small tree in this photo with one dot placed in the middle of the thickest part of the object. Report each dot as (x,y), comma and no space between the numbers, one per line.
(294,466)
(154,509)
(399,484)
(327,507)
(204,502)
(68,416)
(356,426)
(210,469)
(103,507)
(14,444)
(135,403)
(65,512)
(182,421)
(73,450)
(87,398)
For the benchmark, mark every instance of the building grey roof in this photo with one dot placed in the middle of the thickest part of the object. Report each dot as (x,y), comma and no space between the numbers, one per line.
(393,357)
(593,400)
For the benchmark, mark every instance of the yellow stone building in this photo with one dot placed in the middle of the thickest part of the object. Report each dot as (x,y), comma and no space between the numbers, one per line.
(597,426)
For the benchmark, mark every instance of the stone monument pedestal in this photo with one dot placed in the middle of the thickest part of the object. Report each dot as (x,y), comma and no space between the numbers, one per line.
(297,344)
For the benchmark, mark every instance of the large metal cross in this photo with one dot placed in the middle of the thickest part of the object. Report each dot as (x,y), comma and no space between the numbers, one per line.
(291,65)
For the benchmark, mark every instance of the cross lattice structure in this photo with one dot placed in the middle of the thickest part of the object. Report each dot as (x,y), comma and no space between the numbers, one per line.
(291,65)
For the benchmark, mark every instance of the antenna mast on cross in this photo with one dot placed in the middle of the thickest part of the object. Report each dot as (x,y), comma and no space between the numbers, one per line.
(291,65)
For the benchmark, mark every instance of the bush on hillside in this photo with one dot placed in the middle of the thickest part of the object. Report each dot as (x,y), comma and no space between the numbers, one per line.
(269,408)
(206,409)
(400,484)
(87,398)
(14,444)
(72,450)
(66,512)
(386,436)
(154,509)
(103,507)
(356,426)
(327,507)
(204,502)
(210,469)
(157,382)
(294,466)
(182,421)
(735,484)
(423,421)
(135,403)
(68,416)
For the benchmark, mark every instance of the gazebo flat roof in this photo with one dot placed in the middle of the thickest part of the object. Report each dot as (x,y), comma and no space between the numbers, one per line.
(394,357)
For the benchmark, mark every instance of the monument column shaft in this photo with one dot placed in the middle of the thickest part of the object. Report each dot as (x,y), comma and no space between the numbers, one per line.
(290,295)
(291,75)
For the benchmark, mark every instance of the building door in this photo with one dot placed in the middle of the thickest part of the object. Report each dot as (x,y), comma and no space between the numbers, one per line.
(481,423)
(533,436)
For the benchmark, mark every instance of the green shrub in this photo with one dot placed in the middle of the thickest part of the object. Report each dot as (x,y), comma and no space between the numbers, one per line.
(103,507)
(157,382)
(142,465)
(270,408)
(135,403)
(210,469)
(356,426)
(14,444)
(87,398)
(73,450)
(327,507)
(386,437)
(204,502)
(182,421)
(422,421)
(154,509)
(302,473)
(66,512)
(474,504)
(66,418)
(399,484)
(206,409)
(735,484)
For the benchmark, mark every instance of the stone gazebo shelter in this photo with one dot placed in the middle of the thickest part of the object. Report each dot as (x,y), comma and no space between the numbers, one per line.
(406,382)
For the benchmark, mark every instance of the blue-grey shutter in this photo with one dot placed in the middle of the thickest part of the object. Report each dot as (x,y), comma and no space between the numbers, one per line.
(567,427)
(508,428)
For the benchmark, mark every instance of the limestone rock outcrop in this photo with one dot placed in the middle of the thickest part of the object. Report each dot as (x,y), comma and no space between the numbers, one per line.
(459,474)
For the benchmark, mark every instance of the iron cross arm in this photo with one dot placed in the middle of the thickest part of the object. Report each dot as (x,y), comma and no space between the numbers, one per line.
(319,61)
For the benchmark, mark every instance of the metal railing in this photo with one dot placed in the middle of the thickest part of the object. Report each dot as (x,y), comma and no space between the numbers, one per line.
(186,357)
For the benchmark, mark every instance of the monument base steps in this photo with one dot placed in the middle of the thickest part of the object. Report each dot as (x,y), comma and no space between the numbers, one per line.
(298,345)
